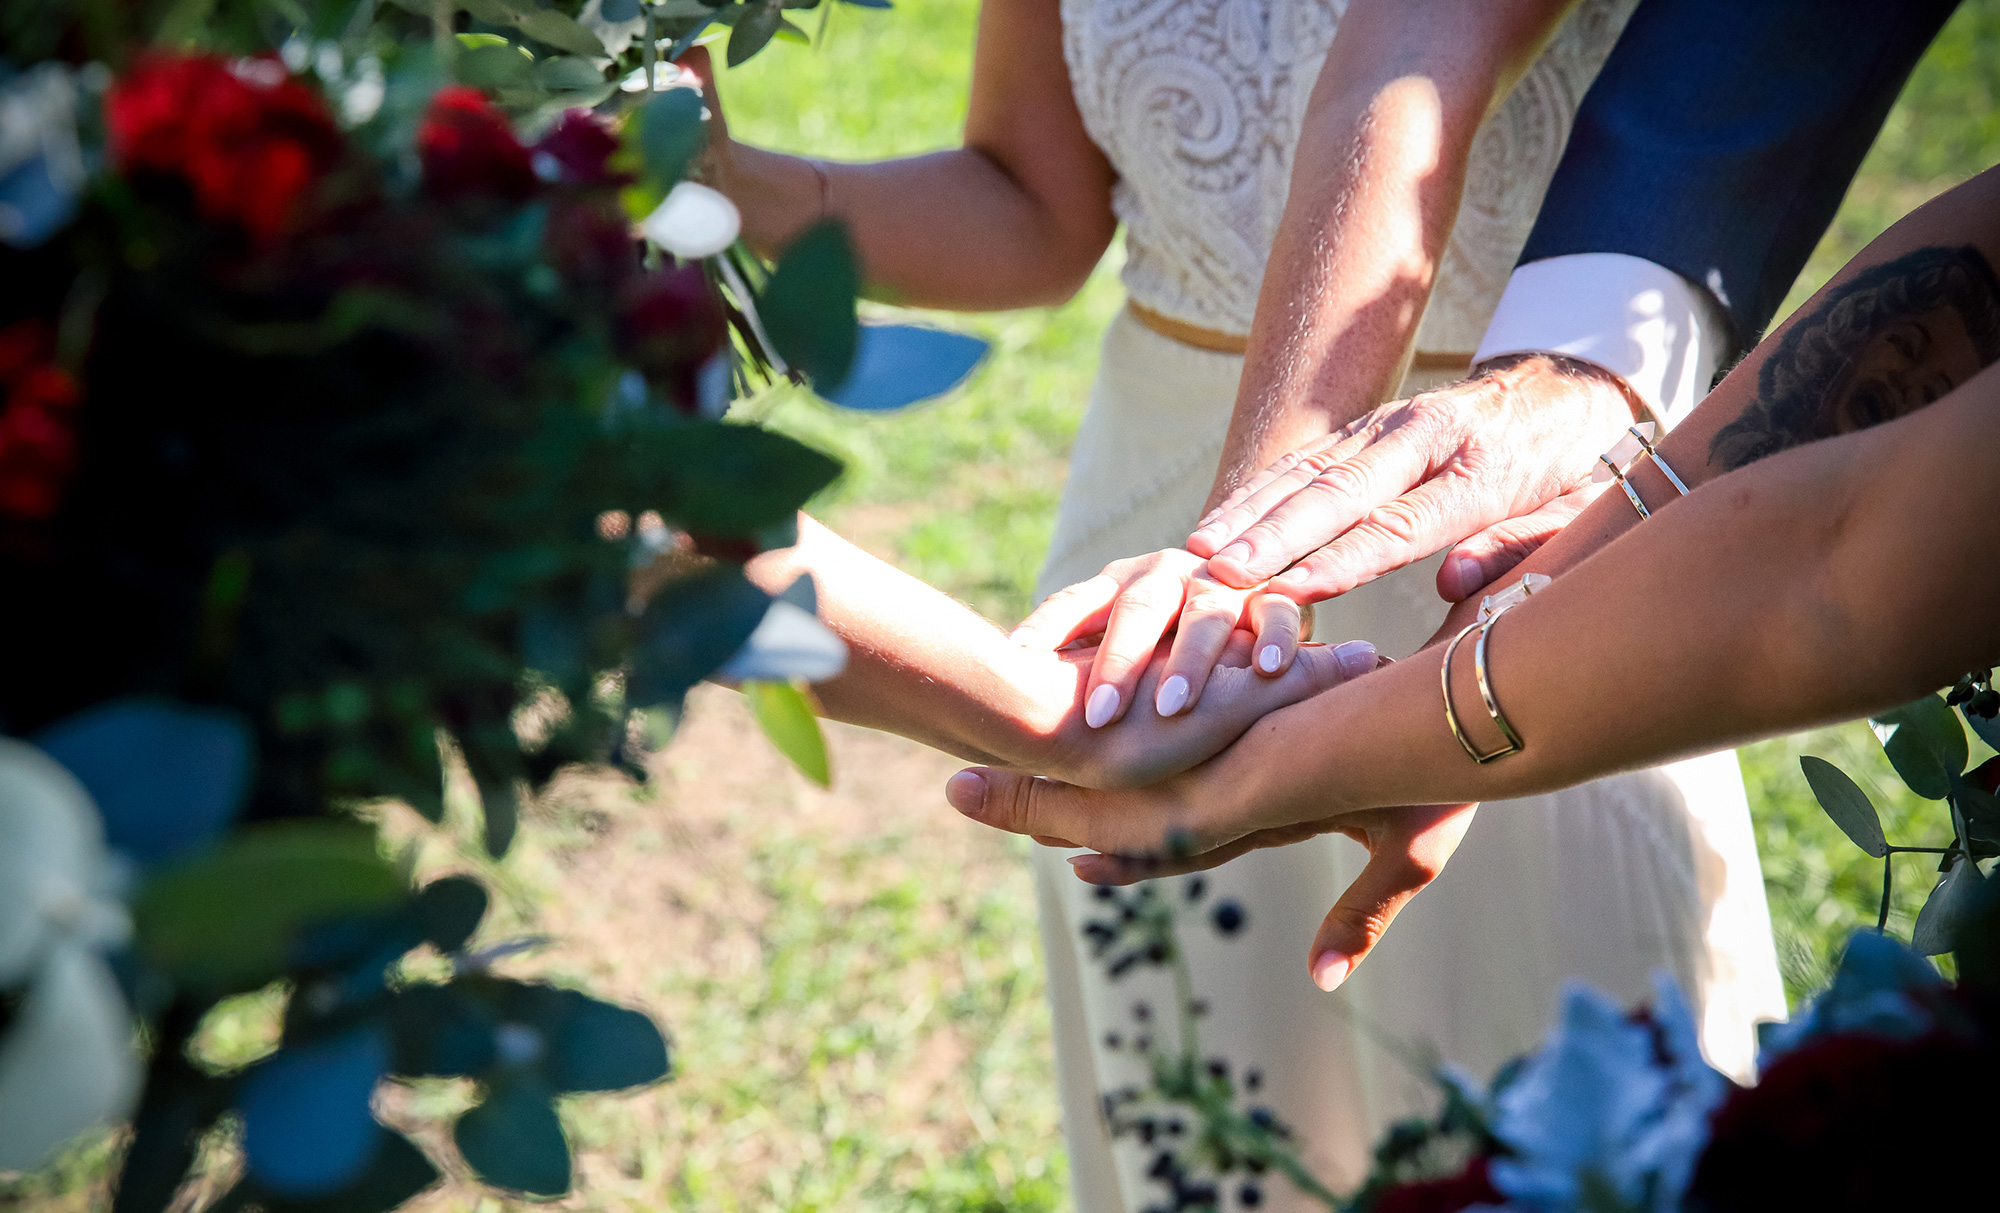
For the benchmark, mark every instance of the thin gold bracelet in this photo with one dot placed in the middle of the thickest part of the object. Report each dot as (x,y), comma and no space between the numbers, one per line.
(1513,745)
(1486,688)
(1646,442)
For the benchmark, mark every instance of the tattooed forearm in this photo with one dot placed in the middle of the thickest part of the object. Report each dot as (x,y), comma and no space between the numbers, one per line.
(1890,341)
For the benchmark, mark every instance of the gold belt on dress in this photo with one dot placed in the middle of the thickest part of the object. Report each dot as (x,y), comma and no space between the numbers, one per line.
(1220,342)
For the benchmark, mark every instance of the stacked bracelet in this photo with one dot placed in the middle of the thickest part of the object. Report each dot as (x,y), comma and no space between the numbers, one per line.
(1615,463)
(1489,611)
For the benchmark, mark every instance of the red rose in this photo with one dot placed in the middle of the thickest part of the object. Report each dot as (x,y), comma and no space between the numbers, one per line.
(37,424)
(1472,1186)
(469,150)
(591,244)
(671,323)
(246,138)
(578,150)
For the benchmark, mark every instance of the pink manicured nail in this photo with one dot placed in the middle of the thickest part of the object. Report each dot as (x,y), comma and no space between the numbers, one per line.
(1356,657)
(1102,706)
(1268,660)
(1172,697)
(966,792)
(1330,970)
(1462,577)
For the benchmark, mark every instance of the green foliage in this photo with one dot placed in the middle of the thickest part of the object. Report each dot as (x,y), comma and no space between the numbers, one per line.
(1925,743)
(808,304)
(1847,804)
(786,715)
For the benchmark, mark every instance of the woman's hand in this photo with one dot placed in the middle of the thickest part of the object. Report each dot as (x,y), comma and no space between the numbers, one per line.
(1135,602)
(1144,833)
(1151,746)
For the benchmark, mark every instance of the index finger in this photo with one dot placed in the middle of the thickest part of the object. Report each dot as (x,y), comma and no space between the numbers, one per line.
(1319,513)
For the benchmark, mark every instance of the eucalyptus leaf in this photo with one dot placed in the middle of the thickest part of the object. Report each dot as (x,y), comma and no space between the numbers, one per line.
(560,31)
(514,1140)
(692,627)
(1847,804)
(755,27)
(596,1046)
(450,909)
(896,365)
(789,643)
(569,74)
(1948,906)
(230,918)
(808,305)
(67,1061)
(670,135)
(398,1172)
(307,1126)
(442,1031)
(788,719)
(166,777)
(620,10)
(1986,728)
(792,33)
(1925,743)
(713,478)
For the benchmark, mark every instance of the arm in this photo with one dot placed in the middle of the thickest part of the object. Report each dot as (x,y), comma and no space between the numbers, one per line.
(1374,193)
(1017,216)
(924,666)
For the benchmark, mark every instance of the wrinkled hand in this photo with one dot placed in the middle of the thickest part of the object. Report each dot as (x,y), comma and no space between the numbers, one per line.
(1151,746)
(1407,847)
(1469,462)
(1135,602)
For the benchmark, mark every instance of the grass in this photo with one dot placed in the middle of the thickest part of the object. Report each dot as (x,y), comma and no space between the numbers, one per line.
(852,980)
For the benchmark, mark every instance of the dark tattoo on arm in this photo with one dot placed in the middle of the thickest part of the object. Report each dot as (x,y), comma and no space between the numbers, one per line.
(1886,343)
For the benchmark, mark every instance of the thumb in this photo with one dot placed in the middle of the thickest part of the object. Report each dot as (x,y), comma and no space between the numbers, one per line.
(1407,849)
(1482,559)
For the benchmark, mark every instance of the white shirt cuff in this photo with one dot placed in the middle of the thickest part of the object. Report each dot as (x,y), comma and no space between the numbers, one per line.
(1641,321)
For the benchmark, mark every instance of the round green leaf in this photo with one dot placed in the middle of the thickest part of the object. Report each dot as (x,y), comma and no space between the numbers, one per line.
(514,1140)
(1847,804)
(399,1172)
(808,305)
(670,135)
(596,1046)
(754,29)
(1925,743)
(692,627)
(450,909)
(229,919)
(1949,905)
(307,1127)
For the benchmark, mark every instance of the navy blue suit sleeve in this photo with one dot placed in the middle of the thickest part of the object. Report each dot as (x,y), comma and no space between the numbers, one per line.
(1721,135)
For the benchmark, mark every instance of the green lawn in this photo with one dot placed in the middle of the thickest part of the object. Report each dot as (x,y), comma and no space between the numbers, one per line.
(963,491)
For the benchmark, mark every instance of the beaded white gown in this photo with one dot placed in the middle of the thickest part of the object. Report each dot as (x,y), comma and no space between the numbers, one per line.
(1198,104)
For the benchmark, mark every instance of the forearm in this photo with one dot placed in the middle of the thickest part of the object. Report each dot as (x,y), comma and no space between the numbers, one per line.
(1374,193)
(948,230)
(1784,596)
(1966,218)
(919,663)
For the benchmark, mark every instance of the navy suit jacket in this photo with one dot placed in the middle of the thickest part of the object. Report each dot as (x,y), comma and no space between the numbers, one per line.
(1721,135)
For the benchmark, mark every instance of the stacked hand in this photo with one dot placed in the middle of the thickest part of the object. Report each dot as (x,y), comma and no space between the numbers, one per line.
(1496,465)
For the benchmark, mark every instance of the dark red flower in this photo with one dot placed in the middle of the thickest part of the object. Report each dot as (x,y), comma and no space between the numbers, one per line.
(579,149)
(247,139)
(1986,776)
(37,424)
(671,323)
(1833,1125)
(591,244)
(469,151)
(1472,1186)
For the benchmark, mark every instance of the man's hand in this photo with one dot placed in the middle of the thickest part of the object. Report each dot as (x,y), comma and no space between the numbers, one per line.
(1417,475)
(1407,847)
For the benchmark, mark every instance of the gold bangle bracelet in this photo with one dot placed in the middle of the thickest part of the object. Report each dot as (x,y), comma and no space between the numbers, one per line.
(1486,692)
(1500,720)
(1646,443)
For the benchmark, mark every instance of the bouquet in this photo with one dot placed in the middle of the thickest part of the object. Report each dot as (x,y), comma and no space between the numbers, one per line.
(351,435)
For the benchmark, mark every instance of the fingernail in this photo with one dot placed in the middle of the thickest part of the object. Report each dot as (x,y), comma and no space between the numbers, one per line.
(966,792)
(1356,657)
(1103,704)
(1461,576)
(1330,970)
(1237,552)
(1092,868)
(1173,696)
(1268,660)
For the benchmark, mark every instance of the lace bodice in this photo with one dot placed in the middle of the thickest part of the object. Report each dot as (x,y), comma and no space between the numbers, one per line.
(1198,105)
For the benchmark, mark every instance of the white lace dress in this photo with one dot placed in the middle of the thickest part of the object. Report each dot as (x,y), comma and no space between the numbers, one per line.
(1198,105)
